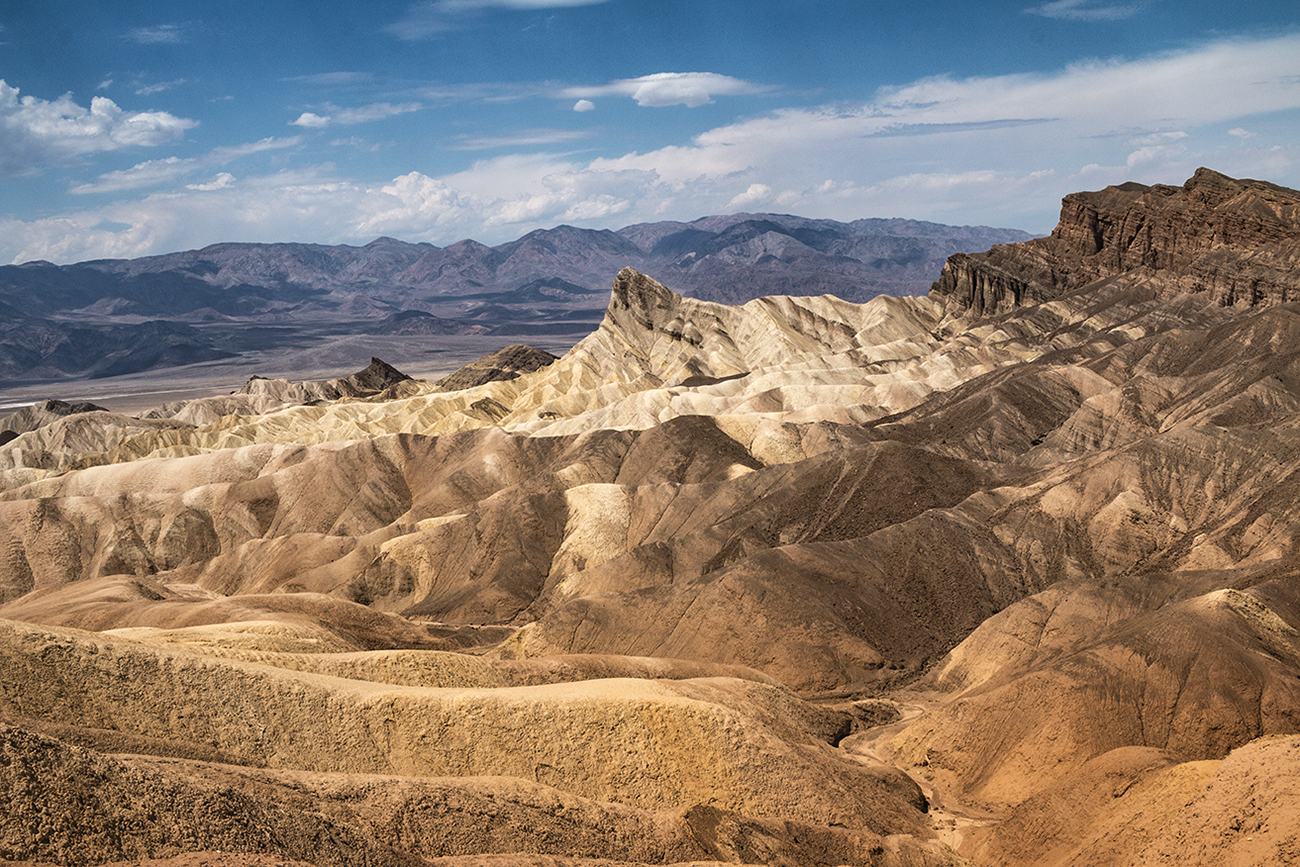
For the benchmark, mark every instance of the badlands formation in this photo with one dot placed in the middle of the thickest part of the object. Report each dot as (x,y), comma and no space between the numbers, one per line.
(1005,575)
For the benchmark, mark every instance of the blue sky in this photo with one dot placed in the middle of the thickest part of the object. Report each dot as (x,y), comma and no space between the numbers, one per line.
(133,128)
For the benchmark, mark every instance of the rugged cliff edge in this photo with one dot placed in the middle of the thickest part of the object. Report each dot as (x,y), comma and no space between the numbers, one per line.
(1234,241)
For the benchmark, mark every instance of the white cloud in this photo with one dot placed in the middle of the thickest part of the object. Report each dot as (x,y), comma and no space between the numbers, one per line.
(40,132)
(221,181)
(310,120)
(691,89)
(154,172)
(146,174)
(334,79)
(360,144)
(1086,10)
(372,112)
(1151,154)
(756,194)
(584,105)
(1159,138)
(358,114)
(432,17)
(149,90)
(522,138)
(159,34)
(1241,133)
(303,205)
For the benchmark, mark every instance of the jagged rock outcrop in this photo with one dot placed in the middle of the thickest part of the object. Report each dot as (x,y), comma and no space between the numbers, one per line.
(506,363)
(260,395)
(38,415)
(1233,241)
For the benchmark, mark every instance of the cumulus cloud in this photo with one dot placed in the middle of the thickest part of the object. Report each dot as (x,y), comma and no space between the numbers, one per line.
(1086,10)
(691,89)
(357,114)
(310,120)
(40,132)
(1241,133)
(754,195)
(584,105)
(432,17)
(221,181)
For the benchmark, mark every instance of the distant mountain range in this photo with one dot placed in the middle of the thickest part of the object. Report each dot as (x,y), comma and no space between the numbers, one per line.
(95,318)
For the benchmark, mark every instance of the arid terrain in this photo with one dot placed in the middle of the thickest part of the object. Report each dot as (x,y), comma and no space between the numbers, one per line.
(1006,574)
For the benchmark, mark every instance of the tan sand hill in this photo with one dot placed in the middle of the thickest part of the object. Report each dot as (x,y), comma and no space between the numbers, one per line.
(1061,491)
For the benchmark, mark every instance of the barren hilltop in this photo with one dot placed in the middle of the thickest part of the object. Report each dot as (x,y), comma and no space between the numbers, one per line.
(1002,575)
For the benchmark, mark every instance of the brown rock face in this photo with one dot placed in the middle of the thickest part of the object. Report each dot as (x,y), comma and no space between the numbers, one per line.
(1234,241)
(506,363)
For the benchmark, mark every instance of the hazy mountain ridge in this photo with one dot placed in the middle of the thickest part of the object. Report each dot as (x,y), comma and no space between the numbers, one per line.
(1061,490)
(547,275)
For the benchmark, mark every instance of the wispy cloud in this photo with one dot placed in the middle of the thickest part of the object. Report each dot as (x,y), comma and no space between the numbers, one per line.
(151,89)
(357,114)
(1087,10)
(691,89)
(334,79)
(433,17)
(152,173)
(522,138)
(159,34)
(41,132)
(359,144)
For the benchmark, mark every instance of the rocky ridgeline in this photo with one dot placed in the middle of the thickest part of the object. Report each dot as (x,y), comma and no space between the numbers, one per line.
(1237,241)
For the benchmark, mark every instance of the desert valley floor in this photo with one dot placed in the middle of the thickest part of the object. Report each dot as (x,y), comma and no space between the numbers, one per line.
(1007,574)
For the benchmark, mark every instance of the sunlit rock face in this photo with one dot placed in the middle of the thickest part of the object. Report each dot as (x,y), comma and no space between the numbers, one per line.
(1001,575)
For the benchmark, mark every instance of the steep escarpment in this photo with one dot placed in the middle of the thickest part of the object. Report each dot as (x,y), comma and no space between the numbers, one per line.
(1233,241)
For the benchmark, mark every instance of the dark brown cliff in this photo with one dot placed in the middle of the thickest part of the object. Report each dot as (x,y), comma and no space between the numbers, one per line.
(1237,241)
